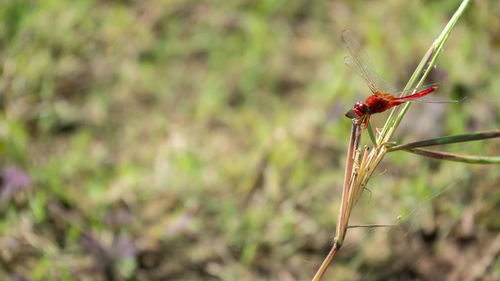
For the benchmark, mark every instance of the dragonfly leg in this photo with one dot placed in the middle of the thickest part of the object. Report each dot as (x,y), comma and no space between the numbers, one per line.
(364,125)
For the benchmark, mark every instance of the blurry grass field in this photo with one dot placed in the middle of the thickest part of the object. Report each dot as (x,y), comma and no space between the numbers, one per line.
(205,140)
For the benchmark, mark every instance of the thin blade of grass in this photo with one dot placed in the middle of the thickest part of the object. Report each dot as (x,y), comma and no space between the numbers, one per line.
(425,60)
(430,57)
(455,157)
(447,140)
(371,134)
(371,225)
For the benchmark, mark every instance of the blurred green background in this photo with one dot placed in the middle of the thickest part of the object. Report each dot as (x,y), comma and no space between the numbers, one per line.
(205,140)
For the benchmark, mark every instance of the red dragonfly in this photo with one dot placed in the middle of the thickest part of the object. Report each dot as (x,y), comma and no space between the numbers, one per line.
(381,99)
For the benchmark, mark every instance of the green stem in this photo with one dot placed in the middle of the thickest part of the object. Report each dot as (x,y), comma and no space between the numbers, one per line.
(455,157)
(436,48)
(446,140)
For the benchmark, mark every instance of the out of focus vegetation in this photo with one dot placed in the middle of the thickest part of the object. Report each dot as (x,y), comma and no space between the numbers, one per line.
(205,140)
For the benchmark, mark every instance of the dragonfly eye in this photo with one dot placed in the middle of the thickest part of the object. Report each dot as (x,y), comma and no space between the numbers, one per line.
(360,108)
(351,114)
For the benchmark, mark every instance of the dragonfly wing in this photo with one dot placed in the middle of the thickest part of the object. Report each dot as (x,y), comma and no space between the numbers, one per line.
(360,64)
(355,66)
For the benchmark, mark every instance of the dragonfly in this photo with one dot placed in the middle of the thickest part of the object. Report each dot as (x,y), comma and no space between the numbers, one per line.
(382,97)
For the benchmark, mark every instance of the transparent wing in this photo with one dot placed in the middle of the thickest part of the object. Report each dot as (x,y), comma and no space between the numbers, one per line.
(354,65)
(359,63)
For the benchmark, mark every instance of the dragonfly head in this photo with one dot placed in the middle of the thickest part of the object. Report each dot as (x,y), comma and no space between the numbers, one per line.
(359,110)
